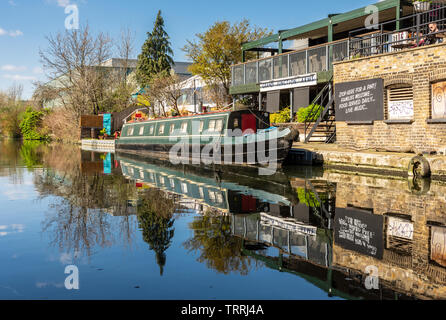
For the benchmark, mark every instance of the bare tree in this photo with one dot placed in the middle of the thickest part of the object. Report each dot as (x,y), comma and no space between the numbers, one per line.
(165,89)
(72,59)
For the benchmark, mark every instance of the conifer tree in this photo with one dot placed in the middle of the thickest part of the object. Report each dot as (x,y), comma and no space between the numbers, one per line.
(156,54)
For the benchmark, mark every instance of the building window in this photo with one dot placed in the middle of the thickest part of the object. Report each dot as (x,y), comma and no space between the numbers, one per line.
(400,102)
(161,130)
(141,131)
(439,100)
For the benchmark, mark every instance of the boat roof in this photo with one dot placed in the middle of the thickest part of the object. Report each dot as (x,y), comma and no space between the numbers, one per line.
(180,117)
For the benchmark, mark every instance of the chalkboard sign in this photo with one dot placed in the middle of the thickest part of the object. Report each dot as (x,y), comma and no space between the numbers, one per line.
(360,100)
(359,231)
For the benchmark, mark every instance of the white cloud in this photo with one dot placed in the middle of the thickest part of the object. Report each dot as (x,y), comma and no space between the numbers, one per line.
(12,3)
(15,33)
(13,68)
(18,77)
(11,33)
(63,3)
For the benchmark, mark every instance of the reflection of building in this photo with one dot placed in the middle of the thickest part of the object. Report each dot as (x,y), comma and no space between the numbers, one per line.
(406,228)
(306,253)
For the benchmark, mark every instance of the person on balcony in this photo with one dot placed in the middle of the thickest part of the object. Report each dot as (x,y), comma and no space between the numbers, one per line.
(434,36)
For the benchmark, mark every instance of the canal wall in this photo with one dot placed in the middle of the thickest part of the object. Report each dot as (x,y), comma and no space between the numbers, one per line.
(365,161)
(98,145)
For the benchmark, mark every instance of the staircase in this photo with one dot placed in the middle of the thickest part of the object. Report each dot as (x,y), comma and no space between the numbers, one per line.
(322,128)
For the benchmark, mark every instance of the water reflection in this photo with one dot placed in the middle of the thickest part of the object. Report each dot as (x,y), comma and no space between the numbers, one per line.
(323,226)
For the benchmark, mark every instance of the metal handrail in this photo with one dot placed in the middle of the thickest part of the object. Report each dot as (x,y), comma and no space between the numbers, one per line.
(325,100)
(380,42)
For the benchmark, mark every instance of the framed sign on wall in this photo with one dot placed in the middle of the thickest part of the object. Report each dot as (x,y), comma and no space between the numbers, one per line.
(439,100)
(360,100)
(400,103)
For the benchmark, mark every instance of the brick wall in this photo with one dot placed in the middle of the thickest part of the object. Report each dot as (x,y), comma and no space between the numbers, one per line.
(418,67)
(415,273)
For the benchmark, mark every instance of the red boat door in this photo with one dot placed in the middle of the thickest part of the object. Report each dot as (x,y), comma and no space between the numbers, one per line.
(249,123)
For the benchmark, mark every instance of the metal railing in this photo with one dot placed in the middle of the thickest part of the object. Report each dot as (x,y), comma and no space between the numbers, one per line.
(415,32)
(295,63)
(322,111)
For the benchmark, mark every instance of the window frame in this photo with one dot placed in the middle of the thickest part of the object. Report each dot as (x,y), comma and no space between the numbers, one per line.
(161,128)
(399,99)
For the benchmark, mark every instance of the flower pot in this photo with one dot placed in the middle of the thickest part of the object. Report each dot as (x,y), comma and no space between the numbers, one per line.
(421,6)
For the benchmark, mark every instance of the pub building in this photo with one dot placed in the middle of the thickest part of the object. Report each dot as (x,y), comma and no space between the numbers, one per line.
(380,81)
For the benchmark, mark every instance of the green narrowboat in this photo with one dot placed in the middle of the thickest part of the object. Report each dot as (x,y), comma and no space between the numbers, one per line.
(226,138)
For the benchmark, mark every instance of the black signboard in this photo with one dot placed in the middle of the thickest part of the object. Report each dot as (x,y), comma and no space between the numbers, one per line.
(359,231)
(360,100)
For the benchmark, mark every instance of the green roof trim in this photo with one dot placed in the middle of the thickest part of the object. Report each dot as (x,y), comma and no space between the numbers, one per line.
(244,89)
(343,17)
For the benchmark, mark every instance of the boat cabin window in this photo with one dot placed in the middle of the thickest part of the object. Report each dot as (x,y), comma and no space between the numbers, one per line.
(130,131)
(141,131)
(200,189)
(184,127)
(201,126)
(172,128)
(219,125)
(161,130)
(211,126)
(236,123)
(151,129)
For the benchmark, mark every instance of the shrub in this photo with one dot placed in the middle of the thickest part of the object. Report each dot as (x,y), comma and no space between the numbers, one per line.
(31,125)
(304,113)
(281,117)
(62,125)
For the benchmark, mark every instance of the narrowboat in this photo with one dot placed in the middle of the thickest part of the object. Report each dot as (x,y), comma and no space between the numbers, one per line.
(243,137)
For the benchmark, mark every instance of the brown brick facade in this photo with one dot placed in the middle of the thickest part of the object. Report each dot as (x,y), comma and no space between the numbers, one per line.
(413,273)
(419,67)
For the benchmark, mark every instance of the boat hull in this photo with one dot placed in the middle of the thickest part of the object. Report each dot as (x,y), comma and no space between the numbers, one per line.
(254,153)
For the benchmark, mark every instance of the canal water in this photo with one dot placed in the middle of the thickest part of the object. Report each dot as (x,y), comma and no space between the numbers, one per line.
(122,227)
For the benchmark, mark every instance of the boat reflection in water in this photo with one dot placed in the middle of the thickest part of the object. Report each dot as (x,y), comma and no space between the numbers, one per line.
(355,237)
(282,232)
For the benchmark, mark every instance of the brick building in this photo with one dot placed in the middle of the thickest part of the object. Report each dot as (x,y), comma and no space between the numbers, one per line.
(416,77)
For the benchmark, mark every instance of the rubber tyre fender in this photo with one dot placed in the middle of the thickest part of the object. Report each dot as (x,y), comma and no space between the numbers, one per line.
(419,167)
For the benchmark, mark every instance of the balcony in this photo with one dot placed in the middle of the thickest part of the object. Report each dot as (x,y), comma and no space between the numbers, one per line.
(297,63)
(408,32)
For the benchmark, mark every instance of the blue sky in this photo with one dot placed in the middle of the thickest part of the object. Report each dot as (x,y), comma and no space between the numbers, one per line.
(25,23)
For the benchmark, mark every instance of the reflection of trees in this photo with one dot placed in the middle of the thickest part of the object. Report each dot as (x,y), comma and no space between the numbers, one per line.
(11,162)
(156,222)
(218,248)
(80,216)
(31,153)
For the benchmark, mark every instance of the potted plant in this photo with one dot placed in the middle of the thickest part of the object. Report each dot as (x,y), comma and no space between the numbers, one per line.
(422,5)
(102,134)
